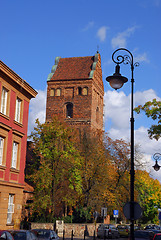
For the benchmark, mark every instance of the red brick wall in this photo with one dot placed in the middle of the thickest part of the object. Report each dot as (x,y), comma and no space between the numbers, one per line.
(84,106)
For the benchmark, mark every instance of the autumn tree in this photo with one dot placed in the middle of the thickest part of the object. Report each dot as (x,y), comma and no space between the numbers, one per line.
(97,172)
(119,154)
(84,173)
(148,193)
(105,172)
(152,109)
(57,169)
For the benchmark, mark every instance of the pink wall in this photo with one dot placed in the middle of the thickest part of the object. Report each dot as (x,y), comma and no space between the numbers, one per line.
(22,129)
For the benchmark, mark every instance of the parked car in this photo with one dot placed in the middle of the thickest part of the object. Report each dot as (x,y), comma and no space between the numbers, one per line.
(154,230)
(107,231)
(5,235)
(153,226)
(46,234)
(143,234)
(157,236)
(23,235)
(124,230)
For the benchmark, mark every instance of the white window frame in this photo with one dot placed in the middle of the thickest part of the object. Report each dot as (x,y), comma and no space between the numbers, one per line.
(10,208)
(4,99)
(18,110)
(1,149)
(14,154)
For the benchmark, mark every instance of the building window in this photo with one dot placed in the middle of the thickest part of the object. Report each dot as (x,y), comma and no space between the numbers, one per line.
(97,114)
(14,155)
(1,149)
(58,92)
(69,110)
(85,91)
(10,208)
(4,100)
(18,110)
(79,91)
(52,92)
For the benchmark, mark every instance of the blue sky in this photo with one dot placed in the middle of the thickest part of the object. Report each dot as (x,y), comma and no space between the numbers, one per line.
(34,32)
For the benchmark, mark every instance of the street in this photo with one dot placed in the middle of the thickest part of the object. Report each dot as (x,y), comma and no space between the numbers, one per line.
(92,238)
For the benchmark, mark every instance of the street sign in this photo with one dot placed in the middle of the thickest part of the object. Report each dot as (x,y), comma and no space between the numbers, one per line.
(137,210)
(103,212)
(115,213)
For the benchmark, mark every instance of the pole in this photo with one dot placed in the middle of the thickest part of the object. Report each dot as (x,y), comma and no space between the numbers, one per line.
(127,59)
(132,173)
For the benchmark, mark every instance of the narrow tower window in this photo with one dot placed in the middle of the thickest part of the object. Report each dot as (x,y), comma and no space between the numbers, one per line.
(69,110)
(79,91)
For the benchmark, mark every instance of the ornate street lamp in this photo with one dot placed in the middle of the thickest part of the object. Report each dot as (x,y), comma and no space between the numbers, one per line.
(116,81)
(156,156)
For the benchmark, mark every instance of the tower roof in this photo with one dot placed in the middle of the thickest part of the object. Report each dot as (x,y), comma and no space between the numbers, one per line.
(73,68)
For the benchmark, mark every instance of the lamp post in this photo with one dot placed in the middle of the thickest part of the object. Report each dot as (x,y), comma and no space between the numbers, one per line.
(116,81)
(156,156)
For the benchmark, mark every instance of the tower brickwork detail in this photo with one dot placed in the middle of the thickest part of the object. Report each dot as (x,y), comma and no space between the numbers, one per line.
(75,92)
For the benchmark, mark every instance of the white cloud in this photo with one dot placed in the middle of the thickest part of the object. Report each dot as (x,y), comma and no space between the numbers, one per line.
(141,58)
(148,146)
(117,114)
(117,108)
(101,33)
(121,39)
(37,109)
(88,26)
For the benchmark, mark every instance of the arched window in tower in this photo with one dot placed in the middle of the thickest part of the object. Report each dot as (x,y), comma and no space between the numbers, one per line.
(58,92)
(52,92)
(69,110)
(97,114)
(85,91)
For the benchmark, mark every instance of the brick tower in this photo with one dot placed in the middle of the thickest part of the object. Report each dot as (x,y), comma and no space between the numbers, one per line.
(75,92)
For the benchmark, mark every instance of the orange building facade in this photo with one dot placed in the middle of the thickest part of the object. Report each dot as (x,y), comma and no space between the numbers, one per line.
(15,95)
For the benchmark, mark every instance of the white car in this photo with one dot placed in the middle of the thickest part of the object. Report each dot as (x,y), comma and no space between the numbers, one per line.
(107,231)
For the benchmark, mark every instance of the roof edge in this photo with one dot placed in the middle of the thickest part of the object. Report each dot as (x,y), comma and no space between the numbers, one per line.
(54,67)
(16,78)
(91,74)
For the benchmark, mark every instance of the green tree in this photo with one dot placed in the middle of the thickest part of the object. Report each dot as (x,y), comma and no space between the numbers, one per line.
(152,109)
(148,192)
(57,176)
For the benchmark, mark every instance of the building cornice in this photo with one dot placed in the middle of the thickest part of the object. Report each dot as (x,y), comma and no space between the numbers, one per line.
(17,79)
(11,184)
